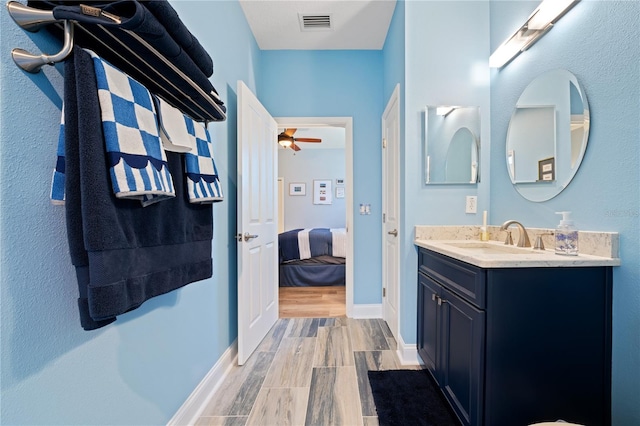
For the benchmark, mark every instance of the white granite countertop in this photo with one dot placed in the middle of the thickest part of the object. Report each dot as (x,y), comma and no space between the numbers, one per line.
(462,243)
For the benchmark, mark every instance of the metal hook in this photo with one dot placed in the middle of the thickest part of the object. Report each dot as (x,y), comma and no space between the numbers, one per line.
(33,63)
(29,18)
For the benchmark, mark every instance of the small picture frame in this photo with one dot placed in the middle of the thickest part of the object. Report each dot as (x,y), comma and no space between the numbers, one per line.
(340,192)
(546,170)
(297,189)
(322,193)
(340,182)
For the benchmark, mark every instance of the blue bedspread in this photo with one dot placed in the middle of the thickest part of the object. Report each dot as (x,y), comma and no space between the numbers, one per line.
(307,243)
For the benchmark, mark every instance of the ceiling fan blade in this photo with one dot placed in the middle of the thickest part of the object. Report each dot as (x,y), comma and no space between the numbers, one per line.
(308,140)
(295,147)
(289,132)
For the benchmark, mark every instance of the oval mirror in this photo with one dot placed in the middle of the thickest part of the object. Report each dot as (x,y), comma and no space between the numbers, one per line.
(452,145)
(547,135)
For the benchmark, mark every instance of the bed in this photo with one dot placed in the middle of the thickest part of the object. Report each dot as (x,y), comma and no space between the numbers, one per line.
(312,257)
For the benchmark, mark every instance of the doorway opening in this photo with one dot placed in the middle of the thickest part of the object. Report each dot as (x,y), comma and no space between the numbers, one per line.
(319,201)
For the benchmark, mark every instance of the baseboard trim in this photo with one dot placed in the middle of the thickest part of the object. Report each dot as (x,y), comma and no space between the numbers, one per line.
(366,311)
(407,353)
(191,409)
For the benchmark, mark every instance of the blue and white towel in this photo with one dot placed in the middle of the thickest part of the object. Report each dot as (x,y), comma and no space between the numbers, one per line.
(203,183)
(138,164)
(58,181)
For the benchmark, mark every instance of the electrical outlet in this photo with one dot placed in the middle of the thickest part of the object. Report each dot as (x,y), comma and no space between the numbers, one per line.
(472,204)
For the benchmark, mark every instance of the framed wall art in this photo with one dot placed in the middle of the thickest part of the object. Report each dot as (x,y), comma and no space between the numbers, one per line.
(322,191)
(297,189)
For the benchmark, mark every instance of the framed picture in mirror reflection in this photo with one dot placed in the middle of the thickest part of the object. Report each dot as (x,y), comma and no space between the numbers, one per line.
(546,170)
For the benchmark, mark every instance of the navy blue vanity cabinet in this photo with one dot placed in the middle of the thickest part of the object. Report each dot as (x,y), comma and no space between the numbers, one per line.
(516,346)
(451,331)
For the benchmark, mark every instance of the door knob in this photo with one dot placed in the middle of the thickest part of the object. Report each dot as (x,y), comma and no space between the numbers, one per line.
(394,232)
(248,236)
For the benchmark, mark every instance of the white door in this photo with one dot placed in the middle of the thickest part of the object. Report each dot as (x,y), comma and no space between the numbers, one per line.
(257,223)
(391,203)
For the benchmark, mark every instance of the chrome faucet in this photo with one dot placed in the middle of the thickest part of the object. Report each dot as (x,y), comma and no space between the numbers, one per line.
(523,238)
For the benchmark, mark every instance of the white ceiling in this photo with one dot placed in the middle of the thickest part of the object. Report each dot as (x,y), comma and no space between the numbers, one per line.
(355,24)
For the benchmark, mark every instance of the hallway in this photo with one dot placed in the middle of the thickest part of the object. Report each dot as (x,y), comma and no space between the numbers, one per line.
(307,371)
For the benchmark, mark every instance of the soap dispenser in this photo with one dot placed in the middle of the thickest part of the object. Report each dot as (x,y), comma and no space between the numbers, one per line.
(566,236)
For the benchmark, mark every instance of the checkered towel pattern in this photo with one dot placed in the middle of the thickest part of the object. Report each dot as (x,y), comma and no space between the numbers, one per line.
(203,182)
(129,123)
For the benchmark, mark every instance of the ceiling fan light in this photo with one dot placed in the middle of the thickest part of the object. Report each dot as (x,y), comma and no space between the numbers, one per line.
(285,143)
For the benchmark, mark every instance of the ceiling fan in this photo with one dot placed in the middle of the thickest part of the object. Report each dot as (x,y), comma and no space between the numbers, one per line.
(286,139)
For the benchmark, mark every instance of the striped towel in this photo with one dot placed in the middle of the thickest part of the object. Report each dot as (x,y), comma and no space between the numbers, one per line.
(203,183)
(58,180)
(138,164)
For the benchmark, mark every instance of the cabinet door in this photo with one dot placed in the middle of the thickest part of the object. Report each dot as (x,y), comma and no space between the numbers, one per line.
(461,368)
(428,322)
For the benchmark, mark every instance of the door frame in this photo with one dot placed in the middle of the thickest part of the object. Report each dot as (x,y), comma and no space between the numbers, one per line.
(347,124)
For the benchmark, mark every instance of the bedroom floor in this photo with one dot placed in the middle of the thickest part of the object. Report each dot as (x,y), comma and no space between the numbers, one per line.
(307,371)
(312,302)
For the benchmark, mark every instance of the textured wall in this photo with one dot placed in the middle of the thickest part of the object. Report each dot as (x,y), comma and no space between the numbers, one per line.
(140,369)
(599,42)
(447,50)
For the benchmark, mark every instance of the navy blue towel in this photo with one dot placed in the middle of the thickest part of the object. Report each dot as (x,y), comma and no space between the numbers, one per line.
(124,253)
(169,18)
(133,16)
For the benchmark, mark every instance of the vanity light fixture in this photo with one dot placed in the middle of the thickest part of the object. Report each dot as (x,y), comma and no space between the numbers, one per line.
(539,22)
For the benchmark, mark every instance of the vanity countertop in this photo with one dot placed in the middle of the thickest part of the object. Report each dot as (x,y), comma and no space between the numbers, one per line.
(495,254)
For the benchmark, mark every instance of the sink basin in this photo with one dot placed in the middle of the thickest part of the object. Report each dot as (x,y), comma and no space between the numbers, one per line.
(482,247)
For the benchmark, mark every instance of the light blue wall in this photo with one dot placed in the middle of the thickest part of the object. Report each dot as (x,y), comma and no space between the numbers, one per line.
(140,369)
(393,56)
(305,166)
(599,42)
(447,51)
(339,84)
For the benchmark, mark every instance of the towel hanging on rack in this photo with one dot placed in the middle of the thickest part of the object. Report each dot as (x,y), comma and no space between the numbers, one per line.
(173,128)
(169,18)
(203,182)
(130,36)
(58,179)
(124,253)
(138,164)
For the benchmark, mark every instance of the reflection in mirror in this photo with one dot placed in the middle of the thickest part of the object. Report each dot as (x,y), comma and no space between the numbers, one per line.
(452,145)
(532,133)
(547,135)
(462,157)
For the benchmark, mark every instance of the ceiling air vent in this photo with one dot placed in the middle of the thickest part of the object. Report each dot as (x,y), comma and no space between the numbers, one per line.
(315,22)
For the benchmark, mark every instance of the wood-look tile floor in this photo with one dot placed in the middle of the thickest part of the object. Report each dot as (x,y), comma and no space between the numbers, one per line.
(312,302)
(307,371)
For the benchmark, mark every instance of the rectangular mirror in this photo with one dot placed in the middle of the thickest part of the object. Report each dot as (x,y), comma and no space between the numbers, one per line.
(452,145)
